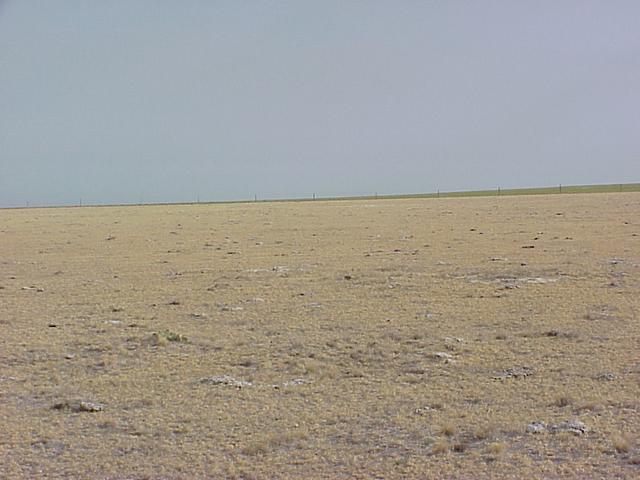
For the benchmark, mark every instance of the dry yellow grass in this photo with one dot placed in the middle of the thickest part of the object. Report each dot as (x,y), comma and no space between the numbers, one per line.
(321,339)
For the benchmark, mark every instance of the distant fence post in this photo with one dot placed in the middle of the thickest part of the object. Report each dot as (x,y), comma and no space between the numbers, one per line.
(560,188)
(314,196)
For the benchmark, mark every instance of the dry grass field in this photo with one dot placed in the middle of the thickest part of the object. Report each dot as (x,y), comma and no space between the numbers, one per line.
(414,338)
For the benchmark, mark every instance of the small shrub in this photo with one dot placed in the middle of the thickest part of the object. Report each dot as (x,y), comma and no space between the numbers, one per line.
(158,339)
(173,337)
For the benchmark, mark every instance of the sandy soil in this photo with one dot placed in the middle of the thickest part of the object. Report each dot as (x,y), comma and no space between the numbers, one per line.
(413,338)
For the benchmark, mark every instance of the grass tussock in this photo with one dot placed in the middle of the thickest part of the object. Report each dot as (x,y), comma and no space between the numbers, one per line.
(483,432)
(440,446)
(496,448)
(289,439)
(448,430)
(562,401)
(622,443)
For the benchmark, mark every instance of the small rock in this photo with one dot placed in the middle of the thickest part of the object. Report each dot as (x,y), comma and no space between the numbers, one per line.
(606,376)
(225,380)
(423,410)
(34,288)
(572,426)
(78,407)
(515,372)
(443,356)
(452,339)
(294,382)
(536,427)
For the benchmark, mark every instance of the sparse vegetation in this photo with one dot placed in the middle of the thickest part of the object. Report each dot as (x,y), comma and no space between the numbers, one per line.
(450,352)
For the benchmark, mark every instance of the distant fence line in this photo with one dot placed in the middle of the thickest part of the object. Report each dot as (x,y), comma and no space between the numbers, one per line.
(498,191)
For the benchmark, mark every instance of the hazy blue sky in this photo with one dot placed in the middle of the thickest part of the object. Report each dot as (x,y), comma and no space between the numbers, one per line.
(118,101)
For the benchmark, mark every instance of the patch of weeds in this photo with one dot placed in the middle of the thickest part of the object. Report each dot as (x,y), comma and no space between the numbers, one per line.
(165,336)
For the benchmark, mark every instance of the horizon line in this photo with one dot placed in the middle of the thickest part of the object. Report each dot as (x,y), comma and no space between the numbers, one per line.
(498,191)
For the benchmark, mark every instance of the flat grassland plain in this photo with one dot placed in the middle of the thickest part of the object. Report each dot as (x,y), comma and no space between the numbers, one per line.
(406,338)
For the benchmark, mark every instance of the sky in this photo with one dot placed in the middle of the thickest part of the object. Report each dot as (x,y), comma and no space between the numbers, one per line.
(164,101)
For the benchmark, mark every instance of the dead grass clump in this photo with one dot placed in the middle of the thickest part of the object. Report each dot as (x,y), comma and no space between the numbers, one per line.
(448,430)
(256,448)
(496,448)
(483,432)
(439,447)
(292,438)
(329,372)
(622,443)
(247,363)
(562,401)
(589,406)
